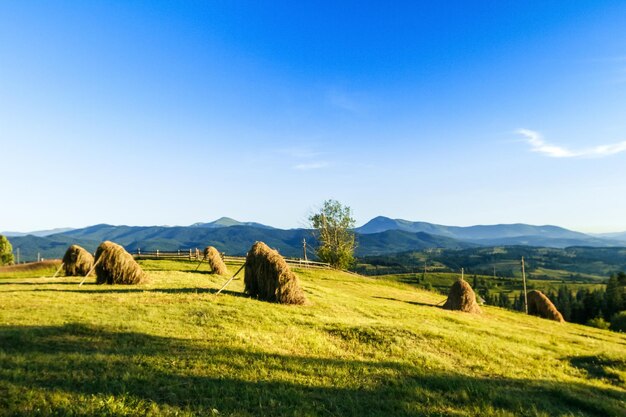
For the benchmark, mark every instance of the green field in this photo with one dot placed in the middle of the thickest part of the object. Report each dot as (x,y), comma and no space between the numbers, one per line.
(361,347)
(441,281)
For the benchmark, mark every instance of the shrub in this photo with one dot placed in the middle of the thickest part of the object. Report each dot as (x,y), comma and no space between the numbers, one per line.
(599,323)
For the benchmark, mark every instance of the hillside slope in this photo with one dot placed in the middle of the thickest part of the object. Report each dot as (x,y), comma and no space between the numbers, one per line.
(361,347)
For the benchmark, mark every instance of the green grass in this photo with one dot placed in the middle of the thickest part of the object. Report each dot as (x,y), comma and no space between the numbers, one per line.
(441,282)
(362,347)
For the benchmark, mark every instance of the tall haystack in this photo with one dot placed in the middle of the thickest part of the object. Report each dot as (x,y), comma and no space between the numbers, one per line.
(77,261)
(215,261)
(540,305)
(461,297)
(116,266)
(268,277)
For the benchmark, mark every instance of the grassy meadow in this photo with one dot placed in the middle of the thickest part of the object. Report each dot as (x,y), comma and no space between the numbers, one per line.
(441,282)
(361,347)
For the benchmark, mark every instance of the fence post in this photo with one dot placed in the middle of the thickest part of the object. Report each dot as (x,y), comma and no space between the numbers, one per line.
(190,254)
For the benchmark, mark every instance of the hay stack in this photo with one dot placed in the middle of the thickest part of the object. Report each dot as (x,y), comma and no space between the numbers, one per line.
(461,297)
(116,266)
(215,261)
(268,277)
(540,305)
(77,261)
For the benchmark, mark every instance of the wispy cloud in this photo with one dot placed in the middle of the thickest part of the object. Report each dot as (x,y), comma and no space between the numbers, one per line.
(539,145)
(342,100)
(299,152)
(310,165)
(304,158)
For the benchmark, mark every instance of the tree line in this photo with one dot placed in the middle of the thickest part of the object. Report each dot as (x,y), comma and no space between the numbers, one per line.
(604,308)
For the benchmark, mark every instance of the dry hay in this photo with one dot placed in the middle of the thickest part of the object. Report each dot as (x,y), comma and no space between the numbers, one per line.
(461,297)
(214,258)
(116,266)
(77,262)
(540,305)
(268,277)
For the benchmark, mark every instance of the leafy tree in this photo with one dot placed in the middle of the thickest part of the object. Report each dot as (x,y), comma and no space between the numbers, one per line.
(6,251)
(333,226)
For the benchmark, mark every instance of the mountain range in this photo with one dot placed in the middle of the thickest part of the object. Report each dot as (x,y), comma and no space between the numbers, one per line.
(379,236)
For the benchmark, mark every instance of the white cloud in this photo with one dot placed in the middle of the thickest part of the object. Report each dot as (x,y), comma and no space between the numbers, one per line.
(539,145)
(310,165)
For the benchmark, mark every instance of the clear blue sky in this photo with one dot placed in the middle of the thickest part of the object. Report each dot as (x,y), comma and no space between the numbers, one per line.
(161,112)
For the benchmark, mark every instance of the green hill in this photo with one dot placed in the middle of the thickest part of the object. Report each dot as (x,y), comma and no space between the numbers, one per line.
(362,347)
(569,264)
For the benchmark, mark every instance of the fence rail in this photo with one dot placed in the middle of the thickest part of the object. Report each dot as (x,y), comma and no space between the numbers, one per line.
(197,255)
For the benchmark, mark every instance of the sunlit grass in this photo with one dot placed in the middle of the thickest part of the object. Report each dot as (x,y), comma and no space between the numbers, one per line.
(361,347)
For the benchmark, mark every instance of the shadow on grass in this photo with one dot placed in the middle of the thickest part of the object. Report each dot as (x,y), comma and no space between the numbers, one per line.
(92,367)
(602,367)
(20,283)
(104,289)
(415,303)
(199,271)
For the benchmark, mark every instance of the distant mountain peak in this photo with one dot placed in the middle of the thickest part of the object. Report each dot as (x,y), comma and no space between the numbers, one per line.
(516,233)
(39,233)
(229,222)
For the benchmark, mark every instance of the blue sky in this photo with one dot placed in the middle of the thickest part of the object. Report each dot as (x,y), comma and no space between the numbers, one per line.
(456,113)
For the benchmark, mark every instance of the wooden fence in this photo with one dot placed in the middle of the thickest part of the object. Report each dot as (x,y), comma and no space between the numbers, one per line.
(197,255)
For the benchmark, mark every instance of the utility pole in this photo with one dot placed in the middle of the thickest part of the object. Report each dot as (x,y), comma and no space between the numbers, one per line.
(38,257)
(494,272)
(524,281)
(304,248)
(18,255)
(462,274)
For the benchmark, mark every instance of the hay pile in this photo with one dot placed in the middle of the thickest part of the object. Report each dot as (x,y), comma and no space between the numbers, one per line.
(268,277)
(540,305)
(77,262)
(215,261)
(116,266)
(461,297)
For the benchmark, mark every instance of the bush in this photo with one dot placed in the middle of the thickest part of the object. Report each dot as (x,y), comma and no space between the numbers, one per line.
(618,322)
(598,322)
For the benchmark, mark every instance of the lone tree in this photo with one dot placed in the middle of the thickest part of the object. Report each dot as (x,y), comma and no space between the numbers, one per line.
(6,251)
(332,229)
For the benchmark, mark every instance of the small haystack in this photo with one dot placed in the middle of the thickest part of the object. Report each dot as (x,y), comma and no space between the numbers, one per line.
(77,262)
(116,266)
(214,258)
(268,277)
(461,297)
(540,305)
